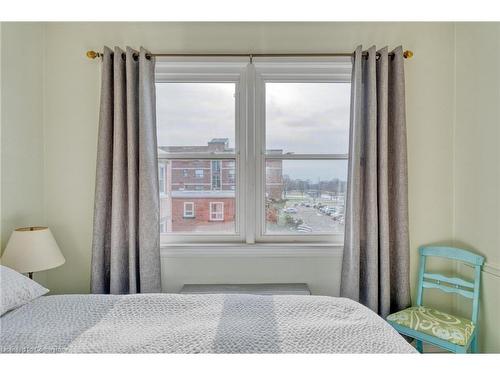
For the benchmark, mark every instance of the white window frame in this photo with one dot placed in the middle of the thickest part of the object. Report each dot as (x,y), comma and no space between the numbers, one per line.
(204,70)
(290,70)
(163,223)
(219,217)
(162,186)
(212,175)
(199,175)
(250,79)
(185,210)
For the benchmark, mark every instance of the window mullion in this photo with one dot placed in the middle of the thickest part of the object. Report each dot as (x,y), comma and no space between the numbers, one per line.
(252,145)
(306,156)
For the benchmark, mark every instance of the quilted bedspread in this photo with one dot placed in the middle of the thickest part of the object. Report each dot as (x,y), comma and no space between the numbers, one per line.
(210,323)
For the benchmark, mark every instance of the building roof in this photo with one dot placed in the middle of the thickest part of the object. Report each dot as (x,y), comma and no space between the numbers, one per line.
(165,150)
(203,194)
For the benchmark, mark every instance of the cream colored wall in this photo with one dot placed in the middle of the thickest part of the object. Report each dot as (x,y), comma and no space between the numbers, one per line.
(49,127)
(22,154)
(477,164)
(71,109)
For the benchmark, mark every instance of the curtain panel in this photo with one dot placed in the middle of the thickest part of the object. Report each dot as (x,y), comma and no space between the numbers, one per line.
(126,235)
(376,261)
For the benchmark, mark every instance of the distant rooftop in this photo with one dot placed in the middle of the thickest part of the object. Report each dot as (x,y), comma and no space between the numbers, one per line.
(203,194)
(214,145)
(220,140)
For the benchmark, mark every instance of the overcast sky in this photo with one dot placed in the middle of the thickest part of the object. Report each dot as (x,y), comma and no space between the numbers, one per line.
(300,118)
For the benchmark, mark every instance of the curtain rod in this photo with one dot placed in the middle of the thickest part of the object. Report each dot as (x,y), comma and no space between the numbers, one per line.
(406,54)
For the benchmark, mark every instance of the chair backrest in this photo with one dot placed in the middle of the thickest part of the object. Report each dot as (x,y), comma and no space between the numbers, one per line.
(464,288)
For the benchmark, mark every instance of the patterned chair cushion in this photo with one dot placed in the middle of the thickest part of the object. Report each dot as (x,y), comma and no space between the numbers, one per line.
(445,326)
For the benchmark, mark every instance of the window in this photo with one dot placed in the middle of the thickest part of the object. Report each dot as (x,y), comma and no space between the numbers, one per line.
(231,173)
(216,211)
(188,209)
(260,148)
(306,145)
(197,129)
(163,225)
(162,178)
(216,181)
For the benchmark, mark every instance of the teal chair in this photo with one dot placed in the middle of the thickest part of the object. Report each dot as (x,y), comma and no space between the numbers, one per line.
(453,333)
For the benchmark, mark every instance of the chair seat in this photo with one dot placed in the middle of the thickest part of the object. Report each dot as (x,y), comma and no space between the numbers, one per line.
(451,328)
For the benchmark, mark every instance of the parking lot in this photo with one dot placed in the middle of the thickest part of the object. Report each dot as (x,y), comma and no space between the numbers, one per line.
(317,221)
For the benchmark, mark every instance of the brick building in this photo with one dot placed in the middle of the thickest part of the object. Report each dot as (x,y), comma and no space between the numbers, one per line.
(199,195)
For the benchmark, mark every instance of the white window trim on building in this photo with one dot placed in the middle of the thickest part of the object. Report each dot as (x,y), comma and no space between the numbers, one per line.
(249,155)
(219,213)
(163,225)
(162,171)
(188,212)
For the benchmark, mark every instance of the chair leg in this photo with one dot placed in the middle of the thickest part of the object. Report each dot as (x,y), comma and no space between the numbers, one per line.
(420,346)
(473,345)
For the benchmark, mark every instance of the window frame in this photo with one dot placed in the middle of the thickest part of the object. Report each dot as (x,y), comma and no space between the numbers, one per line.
(162,187)
(219,174)
(249,157)
(213,70)
(163,222)
(192,210)
(291,70)
(210,218)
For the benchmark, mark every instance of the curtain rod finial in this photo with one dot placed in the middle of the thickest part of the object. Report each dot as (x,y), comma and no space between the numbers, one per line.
(408,54)
(93,54)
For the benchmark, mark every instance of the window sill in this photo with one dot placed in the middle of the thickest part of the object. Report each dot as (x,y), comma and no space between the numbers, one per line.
(267,250)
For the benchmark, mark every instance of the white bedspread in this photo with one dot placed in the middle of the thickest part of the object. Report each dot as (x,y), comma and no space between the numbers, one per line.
(175,323)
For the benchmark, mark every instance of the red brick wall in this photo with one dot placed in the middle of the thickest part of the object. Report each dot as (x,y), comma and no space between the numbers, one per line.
(201,212)
(274,179)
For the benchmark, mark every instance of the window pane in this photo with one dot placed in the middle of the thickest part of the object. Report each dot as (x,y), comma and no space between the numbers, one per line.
(196,117)
(305,196)
(308,118)
(192,203)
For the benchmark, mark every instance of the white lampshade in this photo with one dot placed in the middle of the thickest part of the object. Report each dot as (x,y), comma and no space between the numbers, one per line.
(32,249)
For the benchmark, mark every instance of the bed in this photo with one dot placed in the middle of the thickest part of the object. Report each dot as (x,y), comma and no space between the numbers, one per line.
(185,323)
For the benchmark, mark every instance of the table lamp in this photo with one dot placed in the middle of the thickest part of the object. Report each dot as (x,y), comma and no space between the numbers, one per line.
(32,249)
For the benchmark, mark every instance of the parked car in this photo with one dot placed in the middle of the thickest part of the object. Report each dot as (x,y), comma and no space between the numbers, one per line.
(331,211)
(290,210)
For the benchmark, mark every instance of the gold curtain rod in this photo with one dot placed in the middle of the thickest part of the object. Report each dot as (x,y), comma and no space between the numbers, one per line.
(406,54)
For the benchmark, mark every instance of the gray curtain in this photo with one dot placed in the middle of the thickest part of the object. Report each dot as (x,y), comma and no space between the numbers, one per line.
(126,238)
(375,269)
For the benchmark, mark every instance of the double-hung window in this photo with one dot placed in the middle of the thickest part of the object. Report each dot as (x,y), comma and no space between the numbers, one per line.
(216,211)
(259,147)
(188,209)
(201,124)
(162,178)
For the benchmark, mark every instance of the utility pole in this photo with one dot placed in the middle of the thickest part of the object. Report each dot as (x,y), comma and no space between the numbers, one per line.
(319,189)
